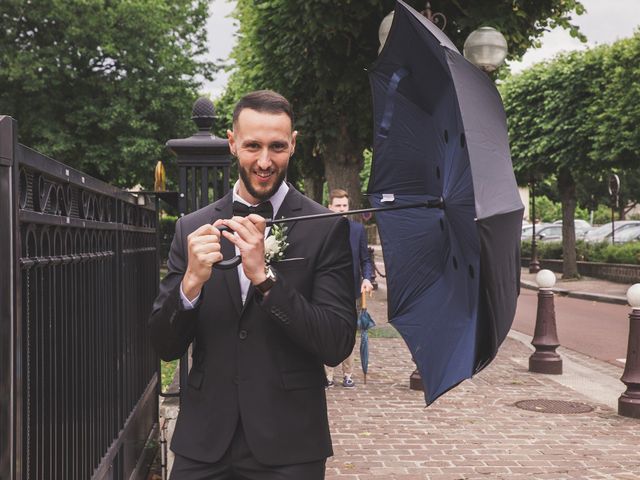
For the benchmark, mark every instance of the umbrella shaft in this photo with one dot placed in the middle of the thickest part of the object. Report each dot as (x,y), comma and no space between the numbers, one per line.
(428,204)
(439,203)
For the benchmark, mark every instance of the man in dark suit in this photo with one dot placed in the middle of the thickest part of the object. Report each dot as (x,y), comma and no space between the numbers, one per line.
(362,274)
(254,406)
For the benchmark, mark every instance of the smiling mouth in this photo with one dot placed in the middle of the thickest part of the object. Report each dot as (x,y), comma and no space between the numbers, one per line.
(263,176)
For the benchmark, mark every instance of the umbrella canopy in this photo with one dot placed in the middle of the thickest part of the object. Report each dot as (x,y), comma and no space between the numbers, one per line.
(440,132)
(365,322)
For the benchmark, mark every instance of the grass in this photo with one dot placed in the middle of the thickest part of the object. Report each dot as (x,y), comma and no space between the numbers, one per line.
(386,331)
(168,370)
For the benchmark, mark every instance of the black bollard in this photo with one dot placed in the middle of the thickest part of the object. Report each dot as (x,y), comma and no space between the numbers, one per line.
(545,359)
(629,401)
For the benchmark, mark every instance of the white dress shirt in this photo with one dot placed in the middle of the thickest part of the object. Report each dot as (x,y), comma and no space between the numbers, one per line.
(276,201)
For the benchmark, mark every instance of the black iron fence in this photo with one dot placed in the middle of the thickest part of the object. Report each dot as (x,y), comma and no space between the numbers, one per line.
(78,275)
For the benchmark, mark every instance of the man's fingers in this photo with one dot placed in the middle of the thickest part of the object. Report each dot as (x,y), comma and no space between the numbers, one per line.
(245,228)
(206,229)
(237,240)
(258,221)
(212,258)
(208,239)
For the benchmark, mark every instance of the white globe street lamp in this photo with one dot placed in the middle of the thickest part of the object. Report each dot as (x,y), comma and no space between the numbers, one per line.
(486,48)
(383,31)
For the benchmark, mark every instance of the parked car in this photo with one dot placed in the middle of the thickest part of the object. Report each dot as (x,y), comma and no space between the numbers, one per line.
(526,232)
(631,234)
(546,232)
(549,233)
(581,227)
(603,233)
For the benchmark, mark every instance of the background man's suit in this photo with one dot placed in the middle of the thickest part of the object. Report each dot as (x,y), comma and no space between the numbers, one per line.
(362,266)
(261,362)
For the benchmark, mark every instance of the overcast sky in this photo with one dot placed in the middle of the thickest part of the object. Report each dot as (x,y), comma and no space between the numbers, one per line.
(604,22)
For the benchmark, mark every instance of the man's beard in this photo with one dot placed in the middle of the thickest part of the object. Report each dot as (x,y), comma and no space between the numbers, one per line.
(245,176)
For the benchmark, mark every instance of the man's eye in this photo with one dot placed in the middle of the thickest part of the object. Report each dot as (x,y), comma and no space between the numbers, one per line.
(253,146)
(279,147)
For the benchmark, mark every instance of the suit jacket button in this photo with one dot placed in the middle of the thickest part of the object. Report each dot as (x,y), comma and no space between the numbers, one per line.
(243,334)
(236,380)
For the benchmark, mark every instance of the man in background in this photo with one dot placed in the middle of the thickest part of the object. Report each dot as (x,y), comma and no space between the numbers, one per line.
(362,274)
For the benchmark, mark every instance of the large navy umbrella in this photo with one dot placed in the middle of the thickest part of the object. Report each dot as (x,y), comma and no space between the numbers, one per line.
(452,272)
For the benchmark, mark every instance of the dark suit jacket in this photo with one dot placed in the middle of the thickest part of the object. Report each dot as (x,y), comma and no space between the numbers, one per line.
(261,363)
(362,266)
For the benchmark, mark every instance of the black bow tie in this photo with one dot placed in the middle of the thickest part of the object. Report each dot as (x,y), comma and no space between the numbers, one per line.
(265,209)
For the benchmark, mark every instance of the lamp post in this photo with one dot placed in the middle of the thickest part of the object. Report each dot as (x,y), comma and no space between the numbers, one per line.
(486,48)
(437,18)
(534,264)
(614,193)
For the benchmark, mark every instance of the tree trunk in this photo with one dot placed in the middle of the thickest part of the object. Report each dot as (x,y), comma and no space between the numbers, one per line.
(313,187)
(342,163)
(567,188)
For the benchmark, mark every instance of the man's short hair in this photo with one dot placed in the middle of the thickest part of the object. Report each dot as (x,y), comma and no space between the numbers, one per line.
(265,101)
(337,193)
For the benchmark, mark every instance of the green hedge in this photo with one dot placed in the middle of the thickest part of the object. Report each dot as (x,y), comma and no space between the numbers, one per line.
(167,229)
(627,253)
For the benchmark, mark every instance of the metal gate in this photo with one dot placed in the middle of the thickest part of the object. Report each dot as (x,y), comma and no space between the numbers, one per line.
(78,275)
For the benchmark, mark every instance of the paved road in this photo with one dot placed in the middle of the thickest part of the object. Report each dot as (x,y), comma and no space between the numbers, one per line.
(600,330)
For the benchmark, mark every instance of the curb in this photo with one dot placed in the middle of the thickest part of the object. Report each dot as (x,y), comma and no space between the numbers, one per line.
(596,297)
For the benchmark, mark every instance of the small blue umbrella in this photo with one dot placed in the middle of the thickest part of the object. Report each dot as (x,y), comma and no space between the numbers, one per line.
(365,322)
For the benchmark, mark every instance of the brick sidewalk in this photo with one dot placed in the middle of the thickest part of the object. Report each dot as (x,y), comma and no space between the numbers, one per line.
(383,430)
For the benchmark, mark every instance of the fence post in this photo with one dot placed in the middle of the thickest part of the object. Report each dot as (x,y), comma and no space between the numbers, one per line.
(204,164)
(8,297)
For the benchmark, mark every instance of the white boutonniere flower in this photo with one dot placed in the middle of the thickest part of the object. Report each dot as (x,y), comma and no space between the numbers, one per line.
(275,244)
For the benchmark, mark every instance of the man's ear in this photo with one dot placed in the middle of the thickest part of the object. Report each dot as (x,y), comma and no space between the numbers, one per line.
(232,143)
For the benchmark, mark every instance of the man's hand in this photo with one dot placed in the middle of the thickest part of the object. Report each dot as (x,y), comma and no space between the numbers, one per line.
(204,252)
(249,238)
(366,286)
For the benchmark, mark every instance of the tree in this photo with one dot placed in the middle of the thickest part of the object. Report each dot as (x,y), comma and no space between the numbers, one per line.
(102,85)
(317,53)
(551,128)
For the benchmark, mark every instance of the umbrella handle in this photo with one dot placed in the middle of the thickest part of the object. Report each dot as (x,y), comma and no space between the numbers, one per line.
(363,301)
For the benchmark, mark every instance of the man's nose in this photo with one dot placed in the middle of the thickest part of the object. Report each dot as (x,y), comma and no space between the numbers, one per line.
(264,160)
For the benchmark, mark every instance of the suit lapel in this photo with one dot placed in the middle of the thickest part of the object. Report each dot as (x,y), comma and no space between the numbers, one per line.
(224,210)
(291,207)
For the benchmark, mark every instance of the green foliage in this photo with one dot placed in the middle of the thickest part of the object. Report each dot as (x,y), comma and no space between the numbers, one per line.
(384,331)
(168,371)
(580,111)
(549,211)
(551,122)
(167,230)
(602,215)
(102,85)
(317,53)
(626,253)
(546,210)
(617,108)
(365,173)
